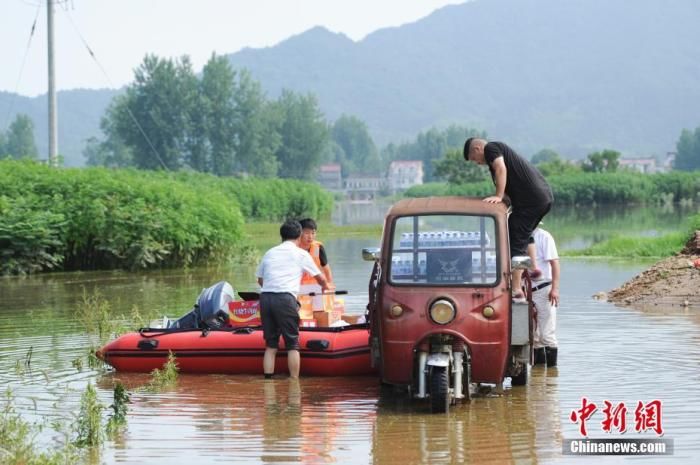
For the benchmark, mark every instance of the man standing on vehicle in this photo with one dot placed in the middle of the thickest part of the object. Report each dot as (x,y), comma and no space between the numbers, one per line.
(279,276)
(530,195)
(545,295)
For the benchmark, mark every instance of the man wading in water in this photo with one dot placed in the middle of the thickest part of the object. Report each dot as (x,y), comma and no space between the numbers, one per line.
(530,197)
(279,276)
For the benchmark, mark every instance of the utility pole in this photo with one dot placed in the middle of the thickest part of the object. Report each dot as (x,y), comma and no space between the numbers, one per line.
(53,116)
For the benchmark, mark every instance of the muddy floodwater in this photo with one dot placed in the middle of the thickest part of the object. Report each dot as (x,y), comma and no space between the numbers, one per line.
(606,353)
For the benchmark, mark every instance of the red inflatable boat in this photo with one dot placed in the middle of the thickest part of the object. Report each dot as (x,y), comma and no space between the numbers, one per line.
(342,351)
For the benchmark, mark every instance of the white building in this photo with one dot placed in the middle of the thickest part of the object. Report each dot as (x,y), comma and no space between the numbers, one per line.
(404,174)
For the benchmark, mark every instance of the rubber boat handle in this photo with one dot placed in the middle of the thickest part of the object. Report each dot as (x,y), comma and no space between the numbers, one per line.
(312,294)
(250,296)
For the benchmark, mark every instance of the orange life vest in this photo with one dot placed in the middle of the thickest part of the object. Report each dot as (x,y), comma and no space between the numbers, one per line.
(315,251)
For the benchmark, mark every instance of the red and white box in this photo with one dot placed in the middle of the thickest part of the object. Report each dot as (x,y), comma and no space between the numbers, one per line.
(244,313)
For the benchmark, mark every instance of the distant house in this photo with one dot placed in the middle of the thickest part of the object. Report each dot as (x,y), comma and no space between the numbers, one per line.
(363,186)
(642,165)
(668,161)
(404,174)
(330,177)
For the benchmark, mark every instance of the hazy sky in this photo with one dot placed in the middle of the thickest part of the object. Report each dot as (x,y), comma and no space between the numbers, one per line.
(121,32)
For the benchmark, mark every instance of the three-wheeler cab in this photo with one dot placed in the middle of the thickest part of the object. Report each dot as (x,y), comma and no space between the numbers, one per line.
(440,306)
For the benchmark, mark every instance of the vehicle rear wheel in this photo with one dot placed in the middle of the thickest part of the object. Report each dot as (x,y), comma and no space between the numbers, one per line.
(521,378)
(439,389)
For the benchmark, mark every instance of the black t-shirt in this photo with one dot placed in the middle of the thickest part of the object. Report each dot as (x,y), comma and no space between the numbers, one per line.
(525,185)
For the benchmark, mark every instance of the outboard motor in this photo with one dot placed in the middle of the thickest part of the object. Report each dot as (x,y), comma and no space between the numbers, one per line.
(210,310)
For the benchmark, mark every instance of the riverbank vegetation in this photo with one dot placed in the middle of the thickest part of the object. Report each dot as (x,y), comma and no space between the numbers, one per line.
(592,188)
(97,218)
(626,246)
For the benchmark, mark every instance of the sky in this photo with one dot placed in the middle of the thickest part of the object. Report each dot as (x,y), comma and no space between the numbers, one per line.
(121,32)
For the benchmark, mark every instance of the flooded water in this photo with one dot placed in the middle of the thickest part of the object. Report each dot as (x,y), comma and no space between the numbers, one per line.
(606,353)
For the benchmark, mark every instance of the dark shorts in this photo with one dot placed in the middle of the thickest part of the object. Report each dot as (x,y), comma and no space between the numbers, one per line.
(521,222)
(279,313)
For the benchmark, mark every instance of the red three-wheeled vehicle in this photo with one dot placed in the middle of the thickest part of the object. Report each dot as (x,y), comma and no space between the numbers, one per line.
(440,306)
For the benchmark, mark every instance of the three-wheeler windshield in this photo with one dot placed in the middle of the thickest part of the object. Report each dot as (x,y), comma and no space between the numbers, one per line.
(444,250)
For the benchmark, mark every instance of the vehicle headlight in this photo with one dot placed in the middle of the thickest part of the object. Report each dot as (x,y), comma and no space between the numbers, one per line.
(442,311)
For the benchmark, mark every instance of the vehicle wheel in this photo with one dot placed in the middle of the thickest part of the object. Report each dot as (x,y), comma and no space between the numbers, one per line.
(520,379)
(439,389)
(467,378)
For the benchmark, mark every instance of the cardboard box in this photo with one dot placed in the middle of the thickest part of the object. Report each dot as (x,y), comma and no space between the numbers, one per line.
(326,319)
(307,323)
(244,313)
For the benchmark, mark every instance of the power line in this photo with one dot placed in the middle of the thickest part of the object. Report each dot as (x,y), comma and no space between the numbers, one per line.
(131,115)
(21,69)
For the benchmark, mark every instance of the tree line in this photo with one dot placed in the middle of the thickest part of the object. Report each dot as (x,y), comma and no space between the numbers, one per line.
(221,122)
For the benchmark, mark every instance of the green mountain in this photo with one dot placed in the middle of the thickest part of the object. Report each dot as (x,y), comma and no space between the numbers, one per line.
(573,75)
(79,114)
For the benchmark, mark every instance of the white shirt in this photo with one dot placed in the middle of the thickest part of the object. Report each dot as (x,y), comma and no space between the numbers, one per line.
(282,266)
(546,250)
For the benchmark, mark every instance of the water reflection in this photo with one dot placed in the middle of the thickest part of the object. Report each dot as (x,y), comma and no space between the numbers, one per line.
(520,425)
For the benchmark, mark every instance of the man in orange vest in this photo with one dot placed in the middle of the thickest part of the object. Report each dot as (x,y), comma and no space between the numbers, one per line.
(309,243)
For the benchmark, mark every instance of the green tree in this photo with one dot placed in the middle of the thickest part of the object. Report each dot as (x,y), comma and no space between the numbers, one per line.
(215,119)
(598,162)
(19,139)
(257,125)
(304,135)
(357,150)
(688,150)
(545,156)
(162,99)
(455,170)
(111,153)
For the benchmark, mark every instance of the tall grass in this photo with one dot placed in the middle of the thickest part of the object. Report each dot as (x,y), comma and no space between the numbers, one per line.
(89,420)
(165,377)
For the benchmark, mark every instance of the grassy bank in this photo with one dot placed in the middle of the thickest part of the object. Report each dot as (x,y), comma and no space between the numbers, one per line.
(640,247)
(96,218)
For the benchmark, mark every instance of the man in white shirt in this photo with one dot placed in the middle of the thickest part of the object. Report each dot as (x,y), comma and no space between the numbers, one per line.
(279,275)
(545,295)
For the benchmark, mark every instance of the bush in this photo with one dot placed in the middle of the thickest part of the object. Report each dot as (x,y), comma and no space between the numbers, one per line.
(97,218)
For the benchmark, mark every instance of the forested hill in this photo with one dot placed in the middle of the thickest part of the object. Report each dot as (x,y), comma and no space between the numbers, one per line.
(574,75)
(78,119)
